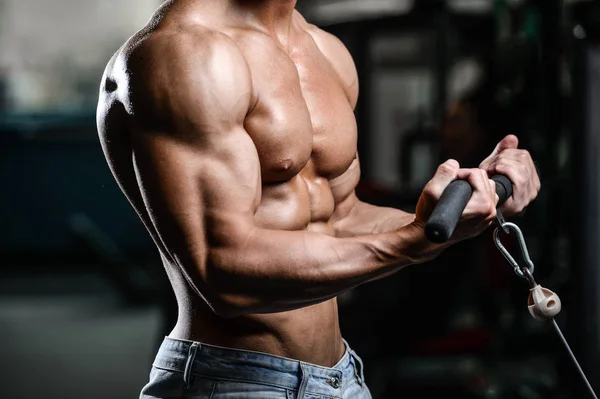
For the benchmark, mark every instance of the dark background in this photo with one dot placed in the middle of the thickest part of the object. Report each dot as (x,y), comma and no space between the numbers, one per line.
(83,298)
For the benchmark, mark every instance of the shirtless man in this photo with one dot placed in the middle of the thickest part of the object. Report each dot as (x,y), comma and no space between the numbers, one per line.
(229,126)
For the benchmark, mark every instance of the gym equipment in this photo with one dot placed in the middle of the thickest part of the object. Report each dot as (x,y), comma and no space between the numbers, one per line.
(442,222)
(542,303)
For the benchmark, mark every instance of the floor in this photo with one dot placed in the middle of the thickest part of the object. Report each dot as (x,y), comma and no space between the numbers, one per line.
(74,346)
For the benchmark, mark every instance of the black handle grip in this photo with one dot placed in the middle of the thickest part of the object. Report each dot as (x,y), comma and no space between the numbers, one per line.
(454,199)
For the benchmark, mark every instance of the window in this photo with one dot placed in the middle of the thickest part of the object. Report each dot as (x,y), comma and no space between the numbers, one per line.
(53,53)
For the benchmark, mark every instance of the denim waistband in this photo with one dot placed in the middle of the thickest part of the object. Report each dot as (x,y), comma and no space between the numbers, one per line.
(195,358)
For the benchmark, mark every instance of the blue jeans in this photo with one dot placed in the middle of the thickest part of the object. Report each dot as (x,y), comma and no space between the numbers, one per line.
(186,369)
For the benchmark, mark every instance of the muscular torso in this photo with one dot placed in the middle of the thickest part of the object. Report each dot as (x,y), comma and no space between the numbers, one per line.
(303,127)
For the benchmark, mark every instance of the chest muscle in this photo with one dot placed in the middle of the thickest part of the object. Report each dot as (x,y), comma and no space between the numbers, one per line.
(302,115)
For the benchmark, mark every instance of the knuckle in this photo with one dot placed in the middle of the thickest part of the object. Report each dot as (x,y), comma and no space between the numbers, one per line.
(430,191)
(485,208)
(523,181)
(446,168)
(488,208)
(519,208)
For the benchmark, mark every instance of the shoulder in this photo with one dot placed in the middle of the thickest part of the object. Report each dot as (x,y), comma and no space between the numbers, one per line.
(196,54)
(338,56)
(183,71)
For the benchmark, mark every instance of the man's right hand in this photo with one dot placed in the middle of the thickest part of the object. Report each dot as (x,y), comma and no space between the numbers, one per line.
(480,210)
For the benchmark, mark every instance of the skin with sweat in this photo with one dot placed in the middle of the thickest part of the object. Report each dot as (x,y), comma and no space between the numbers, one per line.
(229,126)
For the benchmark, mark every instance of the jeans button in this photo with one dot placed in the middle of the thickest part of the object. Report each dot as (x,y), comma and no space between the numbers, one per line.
(334,382)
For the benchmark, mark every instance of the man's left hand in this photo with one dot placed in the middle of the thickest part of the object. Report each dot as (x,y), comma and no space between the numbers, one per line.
(516,164)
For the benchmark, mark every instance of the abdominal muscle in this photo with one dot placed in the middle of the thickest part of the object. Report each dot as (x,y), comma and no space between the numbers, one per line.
(309,334)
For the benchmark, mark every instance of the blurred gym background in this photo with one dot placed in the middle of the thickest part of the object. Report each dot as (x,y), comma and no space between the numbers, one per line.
(83,298)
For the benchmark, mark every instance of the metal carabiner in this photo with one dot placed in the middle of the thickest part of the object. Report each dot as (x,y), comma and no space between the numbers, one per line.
(522,245)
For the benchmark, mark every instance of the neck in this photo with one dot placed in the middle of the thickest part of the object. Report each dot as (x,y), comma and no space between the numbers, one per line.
(274,15)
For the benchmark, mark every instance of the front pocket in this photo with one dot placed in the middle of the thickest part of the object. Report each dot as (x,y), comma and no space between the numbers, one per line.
(200,388)
(247,390)
(293,395)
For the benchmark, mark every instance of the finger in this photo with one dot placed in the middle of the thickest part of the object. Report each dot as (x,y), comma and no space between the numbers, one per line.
(525,181)
(507,143)
(479,180)
(536,180)
(477,177)
(483,200)
(496,197)
(446,173)
(514,170)
(517,171)
(515,154)
(508,160)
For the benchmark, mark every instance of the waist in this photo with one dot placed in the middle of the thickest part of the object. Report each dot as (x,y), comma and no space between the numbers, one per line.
(196,358)
(311,334)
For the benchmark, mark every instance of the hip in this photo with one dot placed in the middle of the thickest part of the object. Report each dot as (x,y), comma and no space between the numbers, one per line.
(189,369)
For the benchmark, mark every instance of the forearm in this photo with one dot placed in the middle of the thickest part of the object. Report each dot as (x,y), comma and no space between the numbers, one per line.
(281,270)
(365,219)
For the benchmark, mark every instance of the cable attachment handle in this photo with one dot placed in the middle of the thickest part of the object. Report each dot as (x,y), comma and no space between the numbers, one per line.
(543,304)
(522,245)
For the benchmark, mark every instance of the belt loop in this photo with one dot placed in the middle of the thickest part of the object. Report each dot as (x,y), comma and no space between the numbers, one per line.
(303,381)
(187,373)
(359,368)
